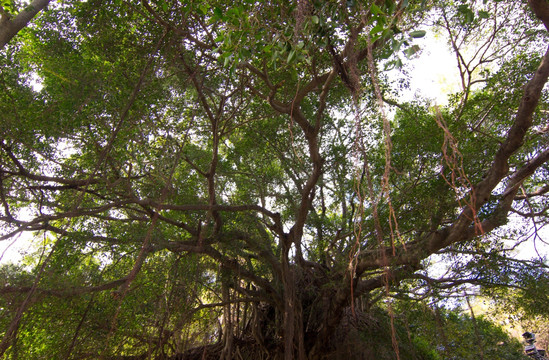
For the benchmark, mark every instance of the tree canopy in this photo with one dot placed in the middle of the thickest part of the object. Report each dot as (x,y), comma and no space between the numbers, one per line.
(200,177)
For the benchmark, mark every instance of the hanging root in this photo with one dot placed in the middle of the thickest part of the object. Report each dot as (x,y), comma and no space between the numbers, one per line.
(457,179)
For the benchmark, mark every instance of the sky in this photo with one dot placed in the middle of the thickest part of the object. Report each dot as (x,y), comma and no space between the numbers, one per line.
(435,74)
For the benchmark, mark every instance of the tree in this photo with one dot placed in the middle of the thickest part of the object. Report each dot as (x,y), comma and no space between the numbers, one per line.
(247,172)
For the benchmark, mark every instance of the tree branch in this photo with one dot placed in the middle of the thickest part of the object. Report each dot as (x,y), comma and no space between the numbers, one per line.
(10,27)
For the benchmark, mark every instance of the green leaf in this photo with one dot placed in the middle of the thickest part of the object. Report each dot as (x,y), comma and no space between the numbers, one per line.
(468,14)
(376,29)
(227,60)
(395,45)
(387,33)
(469,17)
(291,56)
(203,9)
(390,5)
(412,50)
(293,73)
(418,33)
(218,13)
(315,19)
(483,14)
(274,56)
(376,10)
(220,37)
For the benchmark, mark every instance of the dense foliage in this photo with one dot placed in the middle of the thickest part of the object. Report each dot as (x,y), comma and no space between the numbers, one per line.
(245,179)
(453,334)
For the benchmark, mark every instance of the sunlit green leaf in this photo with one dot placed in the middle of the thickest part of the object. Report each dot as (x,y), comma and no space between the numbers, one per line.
(418,33)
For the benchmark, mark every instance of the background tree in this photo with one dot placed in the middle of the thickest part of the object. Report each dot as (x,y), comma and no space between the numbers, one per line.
(242,179)
(455,334)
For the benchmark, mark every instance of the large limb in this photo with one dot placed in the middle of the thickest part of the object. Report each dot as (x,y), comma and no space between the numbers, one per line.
(541,9)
